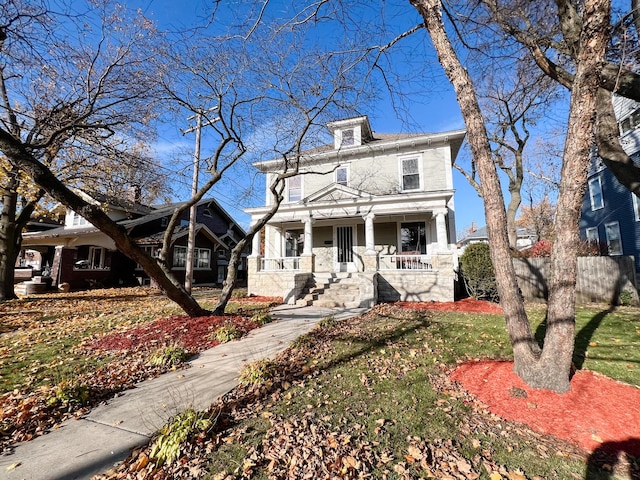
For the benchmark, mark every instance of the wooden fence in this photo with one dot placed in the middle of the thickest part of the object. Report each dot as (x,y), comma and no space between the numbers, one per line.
(600,279)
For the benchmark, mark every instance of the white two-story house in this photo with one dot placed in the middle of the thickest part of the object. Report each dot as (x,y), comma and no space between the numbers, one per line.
(369,218)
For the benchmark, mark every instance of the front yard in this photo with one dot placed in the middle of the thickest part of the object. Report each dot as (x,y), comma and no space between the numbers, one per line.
(370,397)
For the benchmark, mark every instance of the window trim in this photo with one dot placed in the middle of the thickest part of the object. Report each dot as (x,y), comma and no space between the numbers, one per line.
(348,140)
(615,225)
(196,258)
(289,189)
(596,237)
(400,245)
(592,182)
(347,172)
(401,173)
(636,207)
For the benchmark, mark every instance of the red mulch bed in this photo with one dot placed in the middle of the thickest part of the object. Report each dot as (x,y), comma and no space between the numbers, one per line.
(468,305)
(597,413)
(193,334)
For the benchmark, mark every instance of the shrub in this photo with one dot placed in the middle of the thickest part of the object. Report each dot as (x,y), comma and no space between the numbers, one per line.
(226,333)
(66,393)
(477,272)
(328,322)
(262,318)
(169,355)
(256,373)
(166,447)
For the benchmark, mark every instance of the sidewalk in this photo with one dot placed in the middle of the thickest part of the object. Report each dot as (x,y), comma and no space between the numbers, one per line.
(82,448)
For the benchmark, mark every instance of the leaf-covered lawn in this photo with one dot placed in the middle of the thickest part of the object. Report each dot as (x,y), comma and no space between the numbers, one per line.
(62,353)
(371,397)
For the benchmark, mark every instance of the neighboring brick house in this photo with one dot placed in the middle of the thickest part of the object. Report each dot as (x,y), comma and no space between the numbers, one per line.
(610,212)
(81,255)
(370,217)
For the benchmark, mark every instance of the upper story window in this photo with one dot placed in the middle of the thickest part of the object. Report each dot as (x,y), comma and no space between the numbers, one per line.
(410,173)
(294,189)
(595,193)
(342,176)
(630,123)
(78,221)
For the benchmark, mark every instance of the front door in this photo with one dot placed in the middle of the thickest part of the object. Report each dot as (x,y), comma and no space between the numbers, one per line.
(344,249)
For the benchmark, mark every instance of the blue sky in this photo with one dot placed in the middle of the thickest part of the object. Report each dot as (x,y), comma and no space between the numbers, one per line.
(430,111)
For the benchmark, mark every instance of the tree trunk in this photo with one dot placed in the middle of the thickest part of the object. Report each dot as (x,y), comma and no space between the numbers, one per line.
(522,340)
(549,368)
(45,179)
(553,370)
(8,248)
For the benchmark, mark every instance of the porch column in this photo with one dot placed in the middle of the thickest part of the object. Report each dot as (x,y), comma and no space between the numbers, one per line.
(369,238)
(308,235)
(441,229)
(255,244)
(277,242)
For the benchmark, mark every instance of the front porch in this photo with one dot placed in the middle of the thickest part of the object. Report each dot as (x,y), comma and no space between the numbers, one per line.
(388,258)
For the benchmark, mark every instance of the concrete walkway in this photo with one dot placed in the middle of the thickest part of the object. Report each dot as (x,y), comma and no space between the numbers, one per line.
(82,448)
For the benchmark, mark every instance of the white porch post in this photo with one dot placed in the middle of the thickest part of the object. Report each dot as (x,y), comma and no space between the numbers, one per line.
(308,235)
(277,242)
(255,243)
(441,229)
(369,238)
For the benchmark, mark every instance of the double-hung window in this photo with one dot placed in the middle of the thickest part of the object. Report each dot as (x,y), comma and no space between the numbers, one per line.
(410,173)
(614,240)
(595,193)
(592,235)
(342,176)
(294,185)
(201,257)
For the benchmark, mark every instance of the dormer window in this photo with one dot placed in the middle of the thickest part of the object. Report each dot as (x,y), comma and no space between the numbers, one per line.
(351,132)
(348,138)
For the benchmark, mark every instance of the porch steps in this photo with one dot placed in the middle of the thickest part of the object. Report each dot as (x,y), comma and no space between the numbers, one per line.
(331,290)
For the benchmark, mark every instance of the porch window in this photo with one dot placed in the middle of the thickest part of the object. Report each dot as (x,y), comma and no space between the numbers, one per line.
(294,188)
(413,239)
(294,243)
(342,176)
(614,241)
(595,193)
(410,173)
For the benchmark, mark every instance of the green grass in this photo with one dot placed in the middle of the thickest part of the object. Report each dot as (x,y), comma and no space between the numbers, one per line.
(375,379)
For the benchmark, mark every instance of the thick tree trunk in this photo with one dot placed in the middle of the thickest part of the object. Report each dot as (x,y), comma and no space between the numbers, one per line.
(8,248)
(44,178)
(551,367)
(524,345)
(559,339)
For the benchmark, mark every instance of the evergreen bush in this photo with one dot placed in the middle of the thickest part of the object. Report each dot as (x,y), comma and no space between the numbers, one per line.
(477,272)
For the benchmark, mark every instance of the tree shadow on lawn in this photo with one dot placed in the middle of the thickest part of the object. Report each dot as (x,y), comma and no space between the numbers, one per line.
(603,462)
(583,336)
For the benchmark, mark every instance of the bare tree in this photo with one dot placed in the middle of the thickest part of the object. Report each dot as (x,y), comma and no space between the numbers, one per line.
(549,366)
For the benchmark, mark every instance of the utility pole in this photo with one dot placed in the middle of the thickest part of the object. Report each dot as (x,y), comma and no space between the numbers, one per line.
(191,241)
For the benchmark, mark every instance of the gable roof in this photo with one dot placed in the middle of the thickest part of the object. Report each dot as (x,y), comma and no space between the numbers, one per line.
(335,191)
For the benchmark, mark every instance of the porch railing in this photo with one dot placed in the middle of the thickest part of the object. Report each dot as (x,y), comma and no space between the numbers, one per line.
(282,263)
(405,262)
